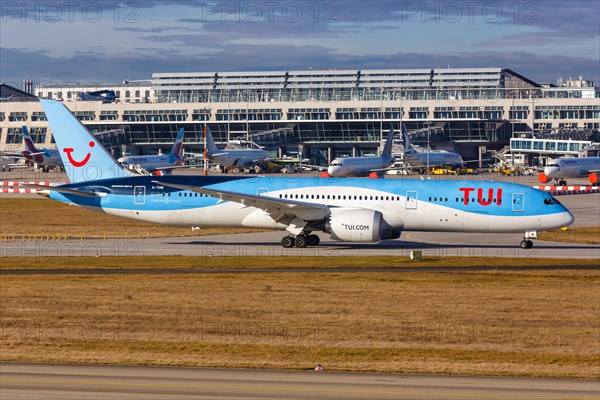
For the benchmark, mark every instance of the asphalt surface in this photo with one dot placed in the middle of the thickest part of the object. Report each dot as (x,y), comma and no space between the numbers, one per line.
(57,381)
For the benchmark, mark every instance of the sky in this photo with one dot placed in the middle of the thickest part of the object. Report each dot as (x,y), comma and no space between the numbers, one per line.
(104,41)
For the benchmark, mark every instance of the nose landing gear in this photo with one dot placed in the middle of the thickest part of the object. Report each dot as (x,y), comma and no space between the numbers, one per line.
(527,243)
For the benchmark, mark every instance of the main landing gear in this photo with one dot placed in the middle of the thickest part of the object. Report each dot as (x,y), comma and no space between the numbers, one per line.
(300,241)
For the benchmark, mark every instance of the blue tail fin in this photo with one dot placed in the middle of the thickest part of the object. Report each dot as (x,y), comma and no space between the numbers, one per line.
(177,148)
(83,156)
(387,149)
(406,141)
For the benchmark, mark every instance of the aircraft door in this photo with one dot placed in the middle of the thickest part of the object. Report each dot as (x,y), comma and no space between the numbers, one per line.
(139,195)
(518,202)
(411,200)
(262,191)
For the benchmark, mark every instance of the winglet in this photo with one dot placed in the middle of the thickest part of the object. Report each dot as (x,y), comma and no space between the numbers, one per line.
(83,156)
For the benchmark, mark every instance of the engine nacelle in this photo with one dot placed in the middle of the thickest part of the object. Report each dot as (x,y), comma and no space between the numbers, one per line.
(355,225)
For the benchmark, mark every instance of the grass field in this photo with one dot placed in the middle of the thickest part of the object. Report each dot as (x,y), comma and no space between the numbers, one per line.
(47,218)
(528,323)
(587,235)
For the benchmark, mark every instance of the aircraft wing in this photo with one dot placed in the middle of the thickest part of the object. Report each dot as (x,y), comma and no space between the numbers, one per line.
(11,154)
(172,167)
(315,167)
(61,190)
(278,208)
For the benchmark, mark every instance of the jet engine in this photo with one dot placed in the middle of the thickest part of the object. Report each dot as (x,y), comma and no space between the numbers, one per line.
(355,225)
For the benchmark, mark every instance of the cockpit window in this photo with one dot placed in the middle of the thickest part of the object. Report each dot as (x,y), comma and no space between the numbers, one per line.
(551,200)
(552,165)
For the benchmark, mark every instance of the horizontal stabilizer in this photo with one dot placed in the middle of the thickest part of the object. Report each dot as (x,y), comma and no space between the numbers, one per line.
(60,190)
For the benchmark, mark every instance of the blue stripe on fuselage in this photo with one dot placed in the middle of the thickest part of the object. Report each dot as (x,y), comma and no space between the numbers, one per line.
(451,194)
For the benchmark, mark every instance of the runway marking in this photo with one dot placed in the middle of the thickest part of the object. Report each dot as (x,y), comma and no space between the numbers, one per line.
(274,389)
(409,236)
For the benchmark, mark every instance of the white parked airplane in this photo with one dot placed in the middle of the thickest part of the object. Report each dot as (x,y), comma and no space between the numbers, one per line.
(561,168)
(160,162)
(438,158)
(363,166)
(352,210)
(233,157)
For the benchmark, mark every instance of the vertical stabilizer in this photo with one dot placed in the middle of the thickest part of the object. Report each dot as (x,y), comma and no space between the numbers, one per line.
(406,141)
(28,142)
(387,149)
(211,147)
(83,156)
(177,149)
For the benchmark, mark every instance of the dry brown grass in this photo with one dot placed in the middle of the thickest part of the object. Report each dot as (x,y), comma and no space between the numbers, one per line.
(29,218)
(588,235)
(236,262)
(492,323)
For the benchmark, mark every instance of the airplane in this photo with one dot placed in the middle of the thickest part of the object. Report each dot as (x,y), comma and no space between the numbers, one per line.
(229,158)
(561,168)
(349,210)
(437,158)
(45,158)
(363,166)
(158,163)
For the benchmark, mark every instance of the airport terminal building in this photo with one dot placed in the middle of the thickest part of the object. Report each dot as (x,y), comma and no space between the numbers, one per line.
(321,113)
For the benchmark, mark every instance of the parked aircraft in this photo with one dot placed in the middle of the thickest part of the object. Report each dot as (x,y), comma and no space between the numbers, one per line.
(561,168)
(437,158)
(363,166)
(229,158)
(160,162)
(46,158)
(352,210)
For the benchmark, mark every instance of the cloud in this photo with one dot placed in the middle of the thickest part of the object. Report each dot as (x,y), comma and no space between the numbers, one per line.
(106,67)
(195,36)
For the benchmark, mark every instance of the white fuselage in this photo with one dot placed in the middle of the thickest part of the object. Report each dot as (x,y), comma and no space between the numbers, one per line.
(434,159)
(571,167)
(150,163)
(237,157)
(358,166)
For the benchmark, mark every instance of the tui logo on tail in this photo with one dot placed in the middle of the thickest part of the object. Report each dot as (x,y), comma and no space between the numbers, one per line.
(78,164)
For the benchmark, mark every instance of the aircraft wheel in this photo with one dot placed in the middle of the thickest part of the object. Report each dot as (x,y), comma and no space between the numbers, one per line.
(301,241)
(313,240)
(287,242)
(526,244)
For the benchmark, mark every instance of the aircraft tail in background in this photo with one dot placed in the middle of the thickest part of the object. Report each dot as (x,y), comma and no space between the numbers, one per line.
(387,149)
(408,148)
(28,142)
(211,147)
(177,149)
(84,158)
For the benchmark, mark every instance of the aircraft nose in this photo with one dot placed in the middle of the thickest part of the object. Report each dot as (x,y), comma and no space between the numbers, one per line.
(568,218)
